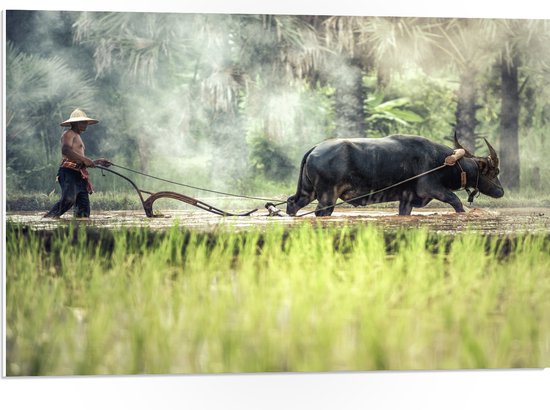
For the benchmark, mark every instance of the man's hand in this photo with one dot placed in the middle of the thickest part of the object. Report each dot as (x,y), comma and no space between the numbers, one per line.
(103,162)
(88,163)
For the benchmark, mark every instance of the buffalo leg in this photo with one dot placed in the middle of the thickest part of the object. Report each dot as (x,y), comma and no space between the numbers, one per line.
(405,207)
(443,195)
(327,199)
(451,199)
(298,201)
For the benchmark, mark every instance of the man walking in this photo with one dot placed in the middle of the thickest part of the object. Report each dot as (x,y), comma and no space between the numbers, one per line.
(73,174)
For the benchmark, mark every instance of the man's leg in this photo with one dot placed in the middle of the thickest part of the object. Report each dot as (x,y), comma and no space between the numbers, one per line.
(68,182)
(82,204)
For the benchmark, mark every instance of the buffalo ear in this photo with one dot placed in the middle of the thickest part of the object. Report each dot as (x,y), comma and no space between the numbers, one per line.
(467,153)
(483,165)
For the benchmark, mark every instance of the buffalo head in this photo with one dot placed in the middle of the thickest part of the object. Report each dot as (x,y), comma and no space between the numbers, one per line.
(291,206)
(488,182)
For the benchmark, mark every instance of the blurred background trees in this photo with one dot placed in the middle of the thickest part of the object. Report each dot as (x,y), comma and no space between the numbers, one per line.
(233,101)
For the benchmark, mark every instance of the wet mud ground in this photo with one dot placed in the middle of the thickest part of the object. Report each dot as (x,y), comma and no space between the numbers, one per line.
(442,220)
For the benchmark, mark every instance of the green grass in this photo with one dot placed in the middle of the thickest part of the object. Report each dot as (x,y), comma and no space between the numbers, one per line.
(301,299)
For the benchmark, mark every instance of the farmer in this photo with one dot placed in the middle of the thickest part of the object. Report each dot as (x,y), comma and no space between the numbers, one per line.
(72,174)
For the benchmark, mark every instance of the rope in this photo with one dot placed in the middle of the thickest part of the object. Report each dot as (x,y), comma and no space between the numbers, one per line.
(195,187)
(284,202)
(376,192)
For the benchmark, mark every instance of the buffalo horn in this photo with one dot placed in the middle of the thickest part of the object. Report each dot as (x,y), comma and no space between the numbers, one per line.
(467,153)
(492,153)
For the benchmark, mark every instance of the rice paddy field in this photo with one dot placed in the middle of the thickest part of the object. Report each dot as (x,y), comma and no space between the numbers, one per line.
(347,293)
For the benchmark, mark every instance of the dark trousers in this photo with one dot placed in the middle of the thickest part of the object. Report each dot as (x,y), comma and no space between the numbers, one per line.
(73,193)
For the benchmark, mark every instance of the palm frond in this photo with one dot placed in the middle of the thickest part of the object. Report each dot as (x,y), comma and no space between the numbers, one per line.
(41,91)
(141,41)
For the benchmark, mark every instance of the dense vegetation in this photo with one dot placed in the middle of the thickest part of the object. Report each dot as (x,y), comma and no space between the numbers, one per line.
(301,299)
(233,101)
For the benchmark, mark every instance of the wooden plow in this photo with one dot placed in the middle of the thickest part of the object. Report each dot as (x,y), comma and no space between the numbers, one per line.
(147,203)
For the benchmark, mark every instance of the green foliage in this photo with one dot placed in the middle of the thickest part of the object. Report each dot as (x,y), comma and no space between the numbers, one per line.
(414,103)
(383,116)
(269,159)
(167,87)
(40,93)
(304,299)
(535,170)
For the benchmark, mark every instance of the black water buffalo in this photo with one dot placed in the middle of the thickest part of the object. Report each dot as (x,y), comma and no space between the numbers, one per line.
(351,168)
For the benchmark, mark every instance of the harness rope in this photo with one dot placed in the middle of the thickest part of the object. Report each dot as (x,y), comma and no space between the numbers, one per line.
(449,161)
(195,187)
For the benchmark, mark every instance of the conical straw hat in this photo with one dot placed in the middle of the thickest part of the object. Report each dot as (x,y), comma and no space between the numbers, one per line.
(76,116)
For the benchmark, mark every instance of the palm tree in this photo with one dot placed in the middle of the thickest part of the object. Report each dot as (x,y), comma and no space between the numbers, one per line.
(471,47)
(515,47)
(161,67)
(461,48)
(40,92)
(344,71)
(509,119)
(364,44)
(220,65)
(436,44)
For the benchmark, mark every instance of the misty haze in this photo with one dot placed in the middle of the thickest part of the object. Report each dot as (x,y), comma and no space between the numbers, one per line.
(232,102)
(298,111)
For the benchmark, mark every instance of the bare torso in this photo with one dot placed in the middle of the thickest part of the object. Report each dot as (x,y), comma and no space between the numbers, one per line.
(72,148)
(72,140)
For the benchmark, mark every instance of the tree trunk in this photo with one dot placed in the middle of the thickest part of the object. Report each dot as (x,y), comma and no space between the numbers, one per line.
(349,98)
(509,120)
(466,108)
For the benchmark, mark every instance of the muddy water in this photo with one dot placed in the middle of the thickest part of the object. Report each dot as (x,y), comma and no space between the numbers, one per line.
(488,220)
